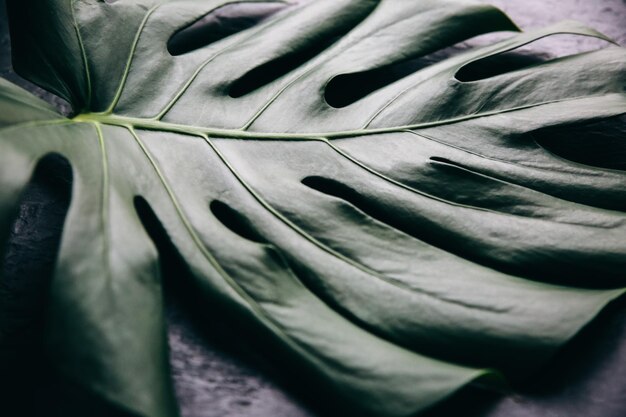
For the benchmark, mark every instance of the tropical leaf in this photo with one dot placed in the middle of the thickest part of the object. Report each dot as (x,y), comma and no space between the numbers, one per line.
(392,248)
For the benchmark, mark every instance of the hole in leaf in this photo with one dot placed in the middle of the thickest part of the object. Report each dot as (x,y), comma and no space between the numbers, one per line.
(342,191)
(297,57)
(497,65)
(444,160)
(346,89)
(535,53)
(337,189)
(202,343)
(170,260)
(219,24)
(471,187)
(600,144)
(28,262)
(236,222)
(402,218)
(34,240)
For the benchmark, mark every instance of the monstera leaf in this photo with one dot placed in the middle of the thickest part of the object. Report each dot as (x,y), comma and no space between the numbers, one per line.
(391,248)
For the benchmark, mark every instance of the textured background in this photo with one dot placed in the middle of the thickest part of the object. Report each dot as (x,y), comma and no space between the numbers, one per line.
(218,372)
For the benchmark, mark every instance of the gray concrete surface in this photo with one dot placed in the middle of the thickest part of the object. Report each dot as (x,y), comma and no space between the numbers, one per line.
(219,373)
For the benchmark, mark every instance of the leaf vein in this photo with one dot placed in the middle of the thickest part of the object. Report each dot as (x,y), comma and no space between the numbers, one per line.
(129,61)
(375,274)
(83,52)
(252,303)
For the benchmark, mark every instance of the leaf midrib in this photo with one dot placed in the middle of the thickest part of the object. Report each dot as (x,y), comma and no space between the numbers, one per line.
(159,125)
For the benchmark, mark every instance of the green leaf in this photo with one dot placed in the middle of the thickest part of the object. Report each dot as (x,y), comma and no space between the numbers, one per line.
(392,250)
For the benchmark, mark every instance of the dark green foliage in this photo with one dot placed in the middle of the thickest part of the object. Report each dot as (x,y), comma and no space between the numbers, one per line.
(406,242)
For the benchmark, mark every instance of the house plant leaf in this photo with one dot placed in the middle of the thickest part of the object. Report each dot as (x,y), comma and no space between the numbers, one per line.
(392,249)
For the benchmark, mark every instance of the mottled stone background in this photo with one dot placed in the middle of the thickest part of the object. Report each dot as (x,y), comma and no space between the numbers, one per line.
(218,372)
